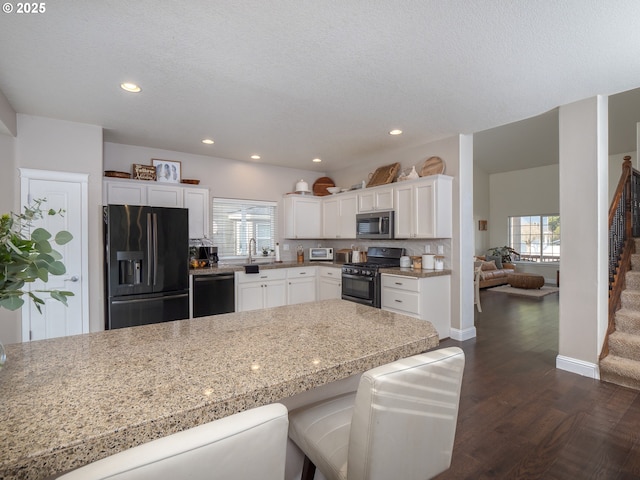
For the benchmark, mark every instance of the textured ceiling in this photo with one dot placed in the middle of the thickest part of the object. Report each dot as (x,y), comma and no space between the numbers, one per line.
(292,79)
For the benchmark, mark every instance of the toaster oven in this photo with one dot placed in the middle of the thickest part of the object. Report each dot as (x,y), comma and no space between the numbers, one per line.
(321,254)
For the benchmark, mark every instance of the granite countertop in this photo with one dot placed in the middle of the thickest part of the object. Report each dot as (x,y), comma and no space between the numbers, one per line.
(72,400)
(416,273)
(229,267)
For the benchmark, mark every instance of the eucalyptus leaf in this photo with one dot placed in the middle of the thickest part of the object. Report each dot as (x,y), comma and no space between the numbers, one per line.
(40,234)
(63,237)
(57,268)
(43,274)
(11,303)
(43,246)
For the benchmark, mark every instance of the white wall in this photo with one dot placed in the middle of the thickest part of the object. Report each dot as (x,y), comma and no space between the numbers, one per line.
(583,208)
(481,208)
(521,192)
(225,178)
(49,144)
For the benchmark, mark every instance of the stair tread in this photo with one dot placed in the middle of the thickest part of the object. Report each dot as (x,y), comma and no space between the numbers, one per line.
(625,337)
(620,366)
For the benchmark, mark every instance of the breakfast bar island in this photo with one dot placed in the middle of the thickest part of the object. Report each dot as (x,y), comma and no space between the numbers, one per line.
(70,401)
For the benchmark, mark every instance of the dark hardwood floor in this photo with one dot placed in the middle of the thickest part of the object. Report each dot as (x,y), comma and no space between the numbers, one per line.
(521,418)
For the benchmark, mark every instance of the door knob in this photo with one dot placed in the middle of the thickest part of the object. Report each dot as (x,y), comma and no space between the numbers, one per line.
(73,278)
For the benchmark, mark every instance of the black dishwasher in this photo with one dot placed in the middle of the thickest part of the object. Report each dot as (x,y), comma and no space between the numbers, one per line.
(213,294)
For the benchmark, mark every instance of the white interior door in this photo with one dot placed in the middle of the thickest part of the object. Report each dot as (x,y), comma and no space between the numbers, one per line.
(66,191)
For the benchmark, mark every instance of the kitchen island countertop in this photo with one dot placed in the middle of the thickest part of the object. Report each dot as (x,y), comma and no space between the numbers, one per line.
(69,401)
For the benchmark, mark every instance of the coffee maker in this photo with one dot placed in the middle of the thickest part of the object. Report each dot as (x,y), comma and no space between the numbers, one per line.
(208,253)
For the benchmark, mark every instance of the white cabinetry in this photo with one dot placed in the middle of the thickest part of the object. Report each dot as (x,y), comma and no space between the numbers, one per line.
(124,193)
(424,298)
(301,285)
(379,199)
(339,216)
(260,290)
(165,196)
(134,192)
(423,208)
(329,283)
(302,217)
(197,201)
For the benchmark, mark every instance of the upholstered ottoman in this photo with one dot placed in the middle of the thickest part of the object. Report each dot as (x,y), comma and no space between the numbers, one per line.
(525,280)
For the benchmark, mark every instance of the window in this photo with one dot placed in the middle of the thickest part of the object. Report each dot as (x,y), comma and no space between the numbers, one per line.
(235,222)
(535,237)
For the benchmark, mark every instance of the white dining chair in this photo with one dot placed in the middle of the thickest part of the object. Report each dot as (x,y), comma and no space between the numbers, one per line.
(399,424)
(477,276)
(251,444)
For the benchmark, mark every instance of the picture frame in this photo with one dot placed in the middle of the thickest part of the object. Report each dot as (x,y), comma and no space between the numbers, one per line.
(482,225)
(167,171)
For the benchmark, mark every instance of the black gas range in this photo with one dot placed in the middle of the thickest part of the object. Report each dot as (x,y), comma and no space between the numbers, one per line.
(361,281)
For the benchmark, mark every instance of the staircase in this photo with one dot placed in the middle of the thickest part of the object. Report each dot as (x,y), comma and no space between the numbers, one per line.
(622,365)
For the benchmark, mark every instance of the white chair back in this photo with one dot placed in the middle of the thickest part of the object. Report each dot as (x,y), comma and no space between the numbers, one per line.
(251,444)
(404,419)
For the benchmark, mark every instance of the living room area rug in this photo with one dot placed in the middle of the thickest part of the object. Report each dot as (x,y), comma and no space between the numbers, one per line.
(524,292)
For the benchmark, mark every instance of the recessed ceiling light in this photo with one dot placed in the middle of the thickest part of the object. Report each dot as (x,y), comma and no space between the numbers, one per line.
(130,87)
(395,132)
(208,141)
(316,160)
(255,157)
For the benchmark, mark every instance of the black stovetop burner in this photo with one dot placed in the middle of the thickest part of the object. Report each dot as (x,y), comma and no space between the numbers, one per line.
(377,257)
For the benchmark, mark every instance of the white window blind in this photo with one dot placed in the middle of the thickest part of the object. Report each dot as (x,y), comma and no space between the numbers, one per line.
(235,222)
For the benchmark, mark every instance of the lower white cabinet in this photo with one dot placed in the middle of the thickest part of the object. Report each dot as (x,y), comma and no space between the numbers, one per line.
(260,290)
(301,285)
(424,298)
(329,283)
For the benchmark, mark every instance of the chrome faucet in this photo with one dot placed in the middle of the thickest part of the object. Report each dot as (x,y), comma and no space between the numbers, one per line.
(254,246)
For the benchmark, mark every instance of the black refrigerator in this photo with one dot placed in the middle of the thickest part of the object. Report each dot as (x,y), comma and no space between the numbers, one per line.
(147,265)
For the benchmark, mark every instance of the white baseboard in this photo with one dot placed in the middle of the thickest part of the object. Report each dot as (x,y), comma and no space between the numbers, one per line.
(462,335)
(573,365)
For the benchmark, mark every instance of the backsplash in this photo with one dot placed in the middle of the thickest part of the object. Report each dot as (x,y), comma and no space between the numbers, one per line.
(412,247)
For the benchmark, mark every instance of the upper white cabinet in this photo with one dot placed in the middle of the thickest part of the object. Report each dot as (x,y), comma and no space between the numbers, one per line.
(302,216)
(380,198)
(165,196)
(339,216)
(133,192)
(423,208)
(124,193)
(197,201)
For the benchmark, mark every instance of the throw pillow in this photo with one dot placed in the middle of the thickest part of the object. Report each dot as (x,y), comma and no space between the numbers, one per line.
(487,266)
(496,259)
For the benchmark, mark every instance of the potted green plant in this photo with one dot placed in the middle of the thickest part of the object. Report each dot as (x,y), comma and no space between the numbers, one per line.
(505,252)
(27,256)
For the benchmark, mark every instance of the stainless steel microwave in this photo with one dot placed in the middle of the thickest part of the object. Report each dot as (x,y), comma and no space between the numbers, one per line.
(375,225)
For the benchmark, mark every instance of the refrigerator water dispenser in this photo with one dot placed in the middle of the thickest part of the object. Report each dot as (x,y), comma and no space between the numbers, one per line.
(130,267)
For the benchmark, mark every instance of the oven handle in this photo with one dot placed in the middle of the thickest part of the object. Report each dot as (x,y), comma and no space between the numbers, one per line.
(358,277)
(361,301)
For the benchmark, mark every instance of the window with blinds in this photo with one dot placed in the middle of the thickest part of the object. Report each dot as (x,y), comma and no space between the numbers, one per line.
(235,222)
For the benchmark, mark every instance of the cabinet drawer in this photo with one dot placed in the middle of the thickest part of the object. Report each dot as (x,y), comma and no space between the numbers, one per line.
(330,272)
(262,276)
(400,300)
(299,272)
(401,283)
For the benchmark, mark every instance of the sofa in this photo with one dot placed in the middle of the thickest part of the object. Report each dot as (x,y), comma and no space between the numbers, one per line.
(493,271)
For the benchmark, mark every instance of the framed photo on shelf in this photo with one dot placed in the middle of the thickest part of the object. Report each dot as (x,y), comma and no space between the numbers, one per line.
(167,171)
